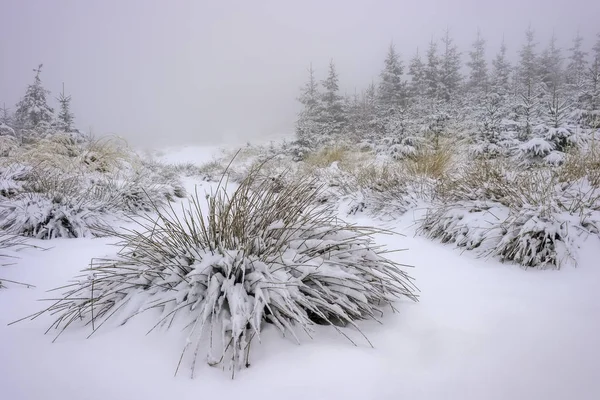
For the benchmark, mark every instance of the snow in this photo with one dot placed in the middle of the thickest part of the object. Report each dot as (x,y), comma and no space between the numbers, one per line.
(481,330)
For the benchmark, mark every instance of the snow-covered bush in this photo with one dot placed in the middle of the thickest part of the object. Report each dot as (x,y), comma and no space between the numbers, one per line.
(60,186)
(531,217)
(255,255)
(43,217)
(526,236)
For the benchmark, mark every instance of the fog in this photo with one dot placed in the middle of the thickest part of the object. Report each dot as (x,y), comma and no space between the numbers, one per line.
(186,71)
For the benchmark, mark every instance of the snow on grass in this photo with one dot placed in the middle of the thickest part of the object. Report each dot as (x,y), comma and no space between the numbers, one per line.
(482,330)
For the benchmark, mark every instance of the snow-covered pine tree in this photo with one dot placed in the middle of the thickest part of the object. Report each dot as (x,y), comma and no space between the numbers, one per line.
(416,70)
(65,117)
(527,85)
(33,108)
(432,72)
(369,122)
(478,74)
(352,108)
(391,94)
(550,65)
(6,122)
(450,77)
(575,73)
(501,72)
(6,117)
(308,130)
(332,116)
(555,104)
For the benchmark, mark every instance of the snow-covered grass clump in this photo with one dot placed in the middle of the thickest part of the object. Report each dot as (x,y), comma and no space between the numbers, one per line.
(65,186)
(262,253)
(533,217)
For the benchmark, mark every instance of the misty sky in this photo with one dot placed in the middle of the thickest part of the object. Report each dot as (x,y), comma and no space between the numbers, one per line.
(185,71)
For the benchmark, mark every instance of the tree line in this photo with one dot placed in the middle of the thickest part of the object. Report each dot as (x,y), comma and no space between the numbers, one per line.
(548,92)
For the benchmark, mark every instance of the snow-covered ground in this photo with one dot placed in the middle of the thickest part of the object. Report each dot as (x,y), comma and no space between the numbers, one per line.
(482,330)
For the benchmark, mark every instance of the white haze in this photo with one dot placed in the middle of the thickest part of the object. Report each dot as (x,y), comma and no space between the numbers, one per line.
(186,71)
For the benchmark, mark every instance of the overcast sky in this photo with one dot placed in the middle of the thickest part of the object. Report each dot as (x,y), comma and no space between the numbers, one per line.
(189,71)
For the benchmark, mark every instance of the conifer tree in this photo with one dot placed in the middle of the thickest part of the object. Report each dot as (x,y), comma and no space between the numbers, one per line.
(33,108)
(65,117)
(6,122)
(576,71)
(332,115)
(391,87)
(416,70)
(450,77)
(550,64)
(432,71)
(478,75)
(5,116)
(369,121)
(501,72)
(528,85)
(307,126)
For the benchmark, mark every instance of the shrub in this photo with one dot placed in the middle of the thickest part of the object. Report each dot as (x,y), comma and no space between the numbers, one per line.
(528,216)
(524,236)
(261,254)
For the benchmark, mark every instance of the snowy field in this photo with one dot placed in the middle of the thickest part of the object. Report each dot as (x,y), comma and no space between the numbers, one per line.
(481,330)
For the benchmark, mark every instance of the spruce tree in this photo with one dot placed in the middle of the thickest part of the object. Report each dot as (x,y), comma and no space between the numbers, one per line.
(576,71)
(391,94)
(6,122)
(332,115)
(450,77)
(551,77)
(416,70)
(307,125)
(501,72)
(478,75)
(5,116)
(65,117)
(550,65)
(527,85)
(33,108)
(432,71)
(369,121)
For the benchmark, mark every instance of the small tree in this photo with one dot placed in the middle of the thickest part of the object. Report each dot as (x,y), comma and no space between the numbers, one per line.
(501,72)
(306,125)
(6,117)
(576,70)
(450,77)
(416,70)
(527,78)
(33,108)
(6,122)
(432,71)
(478,75)
(332,114)
(65,116)
(391,94)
